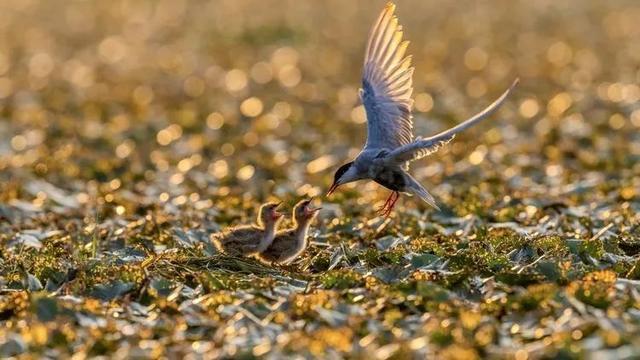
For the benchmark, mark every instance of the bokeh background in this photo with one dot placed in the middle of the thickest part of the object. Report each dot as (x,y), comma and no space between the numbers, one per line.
(131,130)
(261,97)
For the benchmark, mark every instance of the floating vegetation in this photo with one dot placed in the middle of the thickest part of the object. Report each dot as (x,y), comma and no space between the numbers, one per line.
(130,131)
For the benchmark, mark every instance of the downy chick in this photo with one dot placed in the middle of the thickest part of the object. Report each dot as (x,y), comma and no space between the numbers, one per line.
(289,244)
(248,240)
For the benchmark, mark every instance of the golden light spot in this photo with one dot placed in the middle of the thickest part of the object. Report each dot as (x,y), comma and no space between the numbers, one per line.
(219,169)
(559,54)
(170,133)
(529,108)
(320,164)
(123,150)
(267,121)
(616,121)
(250,139)
(163,137)
(193,86)
(282,110)
(82,76)
(521,355)
(515,328)
(251,107)
(417,343)
(224,190)
(538,333)
(554,170)
(631,93)
(614,92)
(215,121)
(120,210)
(246,172)
(576,334)
(476,87)
(164,197)
(40,65)
(112,49)
(143,95)
(423,102)
(493,136)
(235,80)
(289,76)
(478,155)
(18,143)
(261,72)
(475,59)
(612,338)
(176,179)
(38,334)
(284,56)
(559,104)
(469,319)
(82,198)
(115,184)
(261,349)
(185,165)
(179,200)
(280,158)
(227,149)
(358,115)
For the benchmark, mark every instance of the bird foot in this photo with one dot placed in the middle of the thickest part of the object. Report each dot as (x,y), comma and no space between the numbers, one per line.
(388,206)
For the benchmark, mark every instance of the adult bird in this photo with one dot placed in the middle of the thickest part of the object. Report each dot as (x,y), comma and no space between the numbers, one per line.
(386,96)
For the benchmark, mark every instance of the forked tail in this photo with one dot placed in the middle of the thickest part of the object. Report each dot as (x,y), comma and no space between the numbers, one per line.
(414,188)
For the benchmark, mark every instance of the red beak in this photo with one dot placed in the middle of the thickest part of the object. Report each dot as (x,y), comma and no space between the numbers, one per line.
(332,189)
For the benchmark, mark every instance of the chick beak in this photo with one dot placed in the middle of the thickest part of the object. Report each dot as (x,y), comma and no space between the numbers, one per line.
(311,210)
(276,214)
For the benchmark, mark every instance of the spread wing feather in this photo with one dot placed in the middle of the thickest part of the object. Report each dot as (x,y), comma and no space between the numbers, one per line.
(422,147)
(387,85)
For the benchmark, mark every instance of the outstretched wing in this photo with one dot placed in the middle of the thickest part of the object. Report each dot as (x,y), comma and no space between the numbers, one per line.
(422,147)
(387,85)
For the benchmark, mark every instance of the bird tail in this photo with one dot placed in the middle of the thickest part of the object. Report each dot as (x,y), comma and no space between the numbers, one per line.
(414,188)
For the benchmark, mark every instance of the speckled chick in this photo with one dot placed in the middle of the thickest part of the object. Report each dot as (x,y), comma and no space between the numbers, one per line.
(289,244)
(247,240)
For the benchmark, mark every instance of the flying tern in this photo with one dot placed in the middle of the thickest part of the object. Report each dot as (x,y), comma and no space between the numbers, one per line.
(386,96)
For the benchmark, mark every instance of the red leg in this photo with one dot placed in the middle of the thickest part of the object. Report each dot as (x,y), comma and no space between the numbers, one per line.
(393,198)
(383,209)
(393,203)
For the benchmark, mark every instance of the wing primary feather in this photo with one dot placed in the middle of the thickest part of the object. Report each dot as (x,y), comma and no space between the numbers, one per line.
(387,84)
(424,146)
(479,116)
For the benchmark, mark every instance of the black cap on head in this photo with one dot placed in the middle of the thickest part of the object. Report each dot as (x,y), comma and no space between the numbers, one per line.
(341,170)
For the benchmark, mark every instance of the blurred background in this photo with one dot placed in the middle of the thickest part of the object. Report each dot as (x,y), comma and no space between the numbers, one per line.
(187,101)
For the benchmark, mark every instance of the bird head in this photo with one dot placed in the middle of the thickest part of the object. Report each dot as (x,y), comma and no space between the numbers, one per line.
(304,211)
(269,213)
(345,174)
